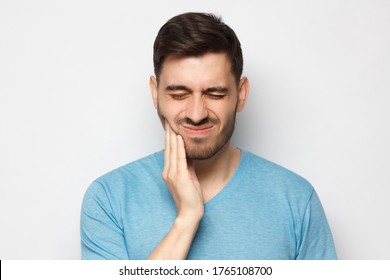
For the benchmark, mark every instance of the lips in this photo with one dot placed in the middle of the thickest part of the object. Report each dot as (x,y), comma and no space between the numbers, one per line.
(198,130)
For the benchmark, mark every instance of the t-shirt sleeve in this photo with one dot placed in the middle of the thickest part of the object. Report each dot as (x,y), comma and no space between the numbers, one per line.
(101,234)
(315,242)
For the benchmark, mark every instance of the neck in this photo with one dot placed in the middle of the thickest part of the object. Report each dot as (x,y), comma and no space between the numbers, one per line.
(214,173)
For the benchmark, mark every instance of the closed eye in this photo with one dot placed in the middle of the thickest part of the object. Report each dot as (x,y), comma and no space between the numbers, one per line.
(215,96)
(216,93)
(178,96)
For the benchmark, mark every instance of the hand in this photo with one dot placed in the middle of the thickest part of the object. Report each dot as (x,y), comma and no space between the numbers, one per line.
(179,174)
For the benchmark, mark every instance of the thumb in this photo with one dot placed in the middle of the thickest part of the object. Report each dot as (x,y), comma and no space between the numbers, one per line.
(191,169)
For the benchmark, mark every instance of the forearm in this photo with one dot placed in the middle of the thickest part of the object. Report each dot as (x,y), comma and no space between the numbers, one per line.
(177,242)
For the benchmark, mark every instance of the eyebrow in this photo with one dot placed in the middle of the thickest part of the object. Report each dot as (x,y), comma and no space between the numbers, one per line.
(207,90)
(177,88)
(216,89)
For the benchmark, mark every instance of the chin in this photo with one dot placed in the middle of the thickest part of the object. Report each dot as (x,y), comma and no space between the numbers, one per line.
(202,153)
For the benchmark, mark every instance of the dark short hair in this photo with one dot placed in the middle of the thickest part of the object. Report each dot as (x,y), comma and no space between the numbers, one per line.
(195,34)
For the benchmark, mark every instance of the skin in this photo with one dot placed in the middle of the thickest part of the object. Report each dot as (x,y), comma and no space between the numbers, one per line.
(197,99)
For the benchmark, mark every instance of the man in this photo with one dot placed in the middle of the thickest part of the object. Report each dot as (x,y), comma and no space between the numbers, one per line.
(202,198)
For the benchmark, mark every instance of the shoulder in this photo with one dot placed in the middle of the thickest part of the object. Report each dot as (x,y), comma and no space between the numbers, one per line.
(134,170)
(275,177)
(131,175)
(111,194)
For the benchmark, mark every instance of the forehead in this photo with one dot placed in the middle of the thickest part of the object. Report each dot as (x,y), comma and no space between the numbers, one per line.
(206,70)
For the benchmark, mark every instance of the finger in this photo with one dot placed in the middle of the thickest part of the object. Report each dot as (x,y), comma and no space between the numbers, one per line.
(191,169)
(167,147)
(181,153)
(172,151)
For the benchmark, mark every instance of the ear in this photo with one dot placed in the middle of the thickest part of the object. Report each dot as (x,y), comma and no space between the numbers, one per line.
(153,88)
(243,92)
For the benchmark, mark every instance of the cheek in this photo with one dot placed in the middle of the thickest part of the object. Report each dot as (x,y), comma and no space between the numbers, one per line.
(168,112)
(224,111)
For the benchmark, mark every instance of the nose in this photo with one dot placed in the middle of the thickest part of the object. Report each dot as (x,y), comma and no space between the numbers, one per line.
(196,109)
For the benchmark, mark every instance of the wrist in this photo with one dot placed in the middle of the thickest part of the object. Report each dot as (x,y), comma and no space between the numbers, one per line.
(188,219)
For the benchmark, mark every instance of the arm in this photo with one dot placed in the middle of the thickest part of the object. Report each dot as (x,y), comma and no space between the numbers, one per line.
(100,231)
(180,177)
(316,242)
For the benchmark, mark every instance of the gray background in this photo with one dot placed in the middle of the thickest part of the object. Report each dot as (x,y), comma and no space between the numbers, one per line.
(75,104)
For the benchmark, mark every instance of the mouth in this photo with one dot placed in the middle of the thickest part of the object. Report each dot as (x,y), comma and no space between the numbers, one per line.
(202,130)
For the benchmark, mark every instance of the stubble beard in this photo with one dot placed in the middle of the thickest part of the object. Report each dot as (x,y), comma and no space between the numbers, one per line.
(198,148)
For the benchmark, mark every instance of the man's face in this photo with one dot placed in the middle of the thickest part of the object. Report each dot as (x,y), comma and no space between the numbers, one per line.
(199,98)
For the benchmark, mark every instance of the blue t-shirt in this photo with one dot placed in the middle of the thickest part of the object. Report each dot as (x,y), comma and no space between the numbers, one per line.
(264,212)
